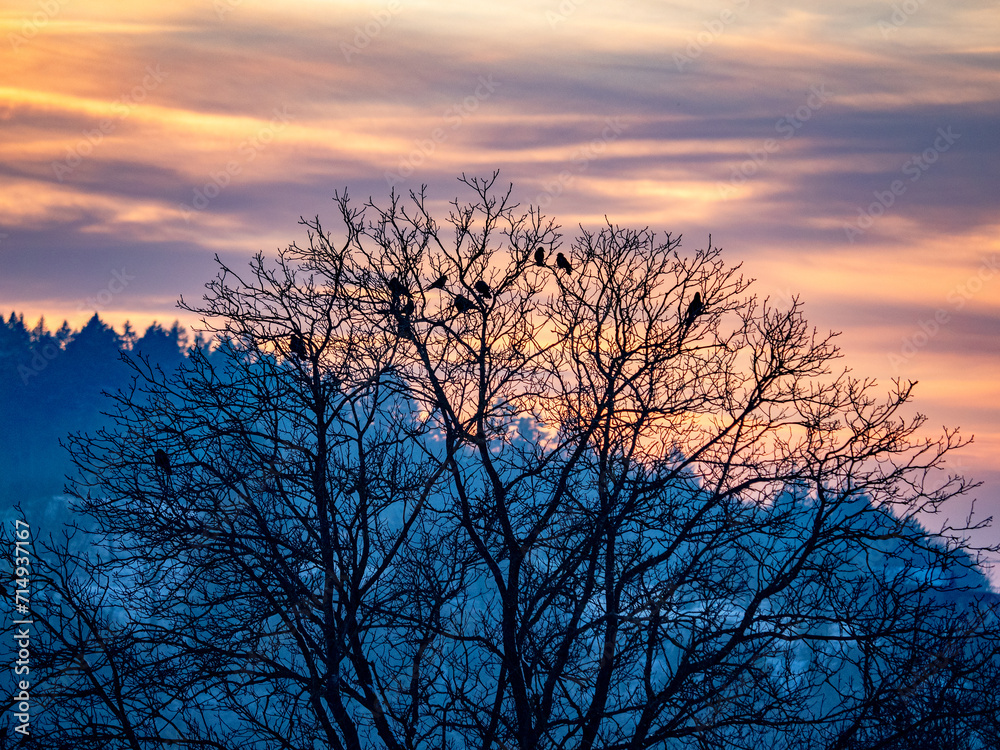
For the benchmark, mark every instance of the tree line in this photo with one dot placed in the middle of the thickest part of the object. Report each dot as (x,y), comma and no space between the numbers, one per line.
(51,385)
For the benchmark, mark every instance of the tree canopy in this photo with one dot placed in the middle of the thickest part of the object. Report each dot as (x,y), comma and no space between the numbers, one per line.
(617,502)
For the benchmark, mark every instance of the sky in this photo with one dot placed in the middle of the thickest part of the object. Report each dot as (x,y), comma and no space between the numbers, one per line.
(844,152)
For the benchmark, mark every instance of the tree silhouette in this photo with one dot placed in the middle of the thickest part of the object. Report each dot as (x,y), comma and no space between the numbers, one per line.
(163,347)
(581,521)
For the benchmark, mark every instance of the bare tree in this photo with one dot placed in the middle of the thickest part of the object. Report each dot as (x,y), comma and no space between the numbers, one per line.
(455,487)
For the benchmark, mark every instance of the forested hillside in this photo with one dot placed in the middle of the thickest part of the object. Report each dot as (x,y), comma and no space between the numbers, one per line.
(51,385)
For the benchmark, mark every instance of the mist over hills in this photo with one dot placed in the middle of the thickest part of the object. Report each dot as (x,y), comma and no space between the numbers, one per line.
(52,383)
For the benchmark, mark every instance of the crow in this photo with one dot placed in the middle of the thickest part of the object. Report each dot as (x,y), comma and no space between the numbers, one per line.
(694,309)
(563,263)
(540,256)
(408,308)
(439,284)
(162,461)
(397,289)
(463,304)
(298,346)
(483,288)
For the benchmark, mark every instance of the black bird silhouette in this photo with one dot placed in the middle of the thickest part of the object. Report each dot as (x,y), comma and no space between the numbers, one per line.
(405,329)
(694,309)
(463,304)
(483,288)
(439,284)
(162,461)
(298,346)
(540,256)
(409,307)
(563,263)
(397,289)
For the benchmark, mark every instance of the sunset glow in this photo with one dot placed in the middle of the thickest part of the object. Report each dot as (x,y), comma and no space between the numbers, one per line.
(845,153)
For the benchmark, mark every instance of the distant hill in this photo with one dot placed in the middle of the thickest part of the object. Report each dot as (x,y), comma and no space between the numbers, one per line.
(51,384)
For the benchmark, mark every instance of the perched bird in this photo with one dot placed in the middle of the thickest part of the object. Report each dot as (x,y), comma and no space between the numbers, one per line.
(405,330)
(540,256)
(463,303)
(408,308)
(483,288)
(563,263)
(162,461)
(694,309)
(397,289)
(439,284)
(297,346)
